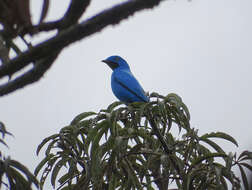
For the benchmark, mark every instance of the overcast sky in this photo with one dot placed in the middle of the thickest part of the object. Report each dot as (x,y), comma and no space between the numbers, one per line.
(200,50)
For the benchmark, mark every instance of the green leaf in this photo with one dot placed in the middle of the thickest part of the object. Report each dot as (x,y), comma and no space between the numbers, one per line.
(186,181)
(201,149)
(227,174)
(154,94)
(95,150)
(70,187)
(178,183)
(17,180)
(108,145)
(198,160)
(3,130)
(212,144)
(113,182)
(246,165)
(93,132)
(131,174)
(245,155)
(113,105)
(143,108)
(50,146)
(173,98)
(220,135)
(56,170)
(244,178)
(46,171)
(25,171)
(177,163)
(42,163)
(45,141)
(80,146)
(224,183)
(1,141)
(186,111)
(82,116)
(64,178)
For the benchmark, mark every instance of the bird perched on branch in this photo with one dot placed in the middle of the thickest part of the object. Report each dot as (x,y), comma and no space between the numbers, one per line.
(124,85)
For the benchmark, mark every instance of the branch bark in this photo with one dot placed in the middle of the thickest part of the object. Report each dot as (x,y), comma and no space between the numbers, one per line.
(74,12)
(71,17)
(72,34)
(167,149)
(30,76)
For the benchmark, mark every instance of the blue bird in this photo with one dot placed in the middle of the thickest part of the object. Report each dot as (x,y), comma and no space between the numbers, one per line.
(124,85)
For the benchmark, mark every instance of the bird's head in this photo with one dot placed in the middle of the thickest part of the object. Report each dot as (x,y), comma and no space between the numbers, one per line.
(115,62)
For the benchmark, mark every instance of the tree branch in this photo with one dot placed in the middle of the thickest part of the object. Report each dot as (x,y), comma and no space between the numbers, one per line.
(167,149)
(156,131)
(79,31)
(52,47)
(74,12)
(71,17)
(47,26)
(30,76)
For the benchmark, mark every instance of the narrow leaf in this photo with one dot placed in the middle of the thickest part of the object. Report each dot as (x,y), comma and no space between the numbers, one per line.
(246,154)
(244,178)
(247,166)
(3,130)
(113,105)
(45,141)
(212,144)
(81,116)
(220,135)
(25,171)
(42,163)
(205,157)
(56,170)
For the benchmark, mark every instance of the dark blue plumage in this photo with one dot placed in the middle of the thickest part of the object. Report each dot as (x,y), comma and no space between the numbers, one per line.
(124,85)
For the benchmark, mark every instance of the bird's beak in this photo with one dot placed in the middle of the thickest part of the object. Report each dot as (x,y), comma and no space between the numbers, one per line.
(111,64)
(105,61)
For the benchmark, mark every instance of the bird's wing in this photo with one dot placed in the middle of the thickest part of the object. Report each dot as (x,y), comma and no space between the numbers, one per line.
(130,83)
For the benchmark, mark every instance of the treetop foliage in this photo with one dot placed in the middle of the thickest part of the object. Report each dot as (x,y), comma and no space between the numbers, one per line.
(134,147)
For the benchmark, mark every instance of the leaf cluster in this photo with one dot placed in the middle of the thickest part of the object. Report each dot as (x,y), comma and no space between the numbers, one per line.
(13,174)
(134,147)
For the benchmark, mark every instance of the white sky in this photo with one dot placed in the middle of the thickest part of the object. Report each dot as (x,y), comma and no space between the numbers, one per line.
(200,50)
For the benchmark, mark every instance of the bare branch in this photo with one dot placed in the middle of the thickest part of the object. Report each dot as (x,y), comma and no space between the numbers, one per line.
(74,12)
(66,37)
(4,51)
(48,26)
(44,10)
(29,77)
(71,17)
(168,149)
(90,26)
